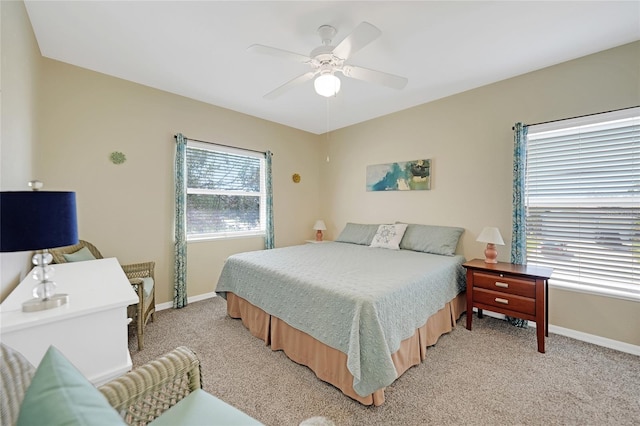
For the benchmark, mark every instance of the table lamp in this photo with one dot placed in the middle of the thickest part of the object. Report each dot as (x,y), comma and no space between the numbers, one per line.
(491,236)
(319,227)
(39,220)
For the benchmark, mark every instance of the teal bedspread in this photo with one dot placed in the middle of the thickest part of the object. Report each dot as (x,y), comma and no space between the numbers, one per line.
(359,300)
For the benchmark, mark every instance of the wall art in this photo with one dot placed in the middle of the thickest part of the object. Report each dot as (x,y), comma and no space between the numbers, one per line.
(400,176)
(117,157)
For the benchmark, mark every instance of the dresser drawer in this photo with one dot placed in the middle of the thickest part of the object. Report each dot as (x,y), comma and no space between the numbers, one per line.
(500,300)
(505,284)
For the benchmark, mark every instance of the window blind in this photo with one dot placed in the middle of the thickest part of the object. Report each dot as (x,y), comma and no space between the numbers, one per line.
(225,191)
(583,201)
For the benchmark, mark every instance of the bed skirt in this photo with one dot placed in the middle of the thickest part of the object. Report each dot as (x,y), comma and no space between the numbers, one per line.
(329,364)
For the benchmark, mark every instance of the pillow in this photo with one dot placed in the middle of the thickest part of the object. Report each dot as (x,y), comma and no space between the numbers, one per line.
(59,394)
(389,236)
(431,239)
(79,256)
(357,233)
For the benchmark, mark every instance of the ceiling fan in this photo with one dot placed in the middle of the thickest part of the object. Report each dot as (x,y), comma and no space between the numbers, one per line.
(327,60)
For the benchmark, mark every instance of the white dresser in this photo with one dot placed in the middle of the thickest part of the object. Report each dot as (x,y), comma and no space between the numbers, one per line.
(90,330)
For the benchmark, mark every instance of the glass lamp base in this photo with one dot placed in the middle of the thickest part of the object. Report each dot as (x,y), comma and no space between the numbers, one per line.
(54,301)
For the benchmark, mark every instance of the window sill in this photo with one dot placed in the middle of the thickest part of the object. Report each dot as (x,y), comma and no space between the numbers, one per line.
(581,288)
(225,237)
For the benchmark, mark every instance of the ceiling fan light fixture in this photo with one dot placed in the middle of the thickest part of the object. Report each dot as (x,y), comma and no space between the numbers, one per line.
(327,85)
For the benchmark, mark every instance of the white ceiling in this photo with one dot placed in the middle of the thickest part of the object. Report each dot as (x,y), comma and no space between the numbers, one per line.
(199,49)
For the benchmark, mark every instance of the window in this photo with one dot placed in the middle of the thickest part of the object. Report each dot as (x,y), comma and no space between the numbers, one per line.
(226,195)
(582,197)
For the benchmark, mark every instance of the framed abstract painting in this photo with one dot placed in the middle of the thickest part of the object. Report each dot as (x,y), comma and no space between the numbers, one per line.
(399,176)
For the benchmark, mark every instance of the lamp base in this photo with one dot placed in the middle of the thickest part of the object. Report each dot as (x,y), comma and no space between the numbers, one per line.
(319,235)
(490,254)
(54,301)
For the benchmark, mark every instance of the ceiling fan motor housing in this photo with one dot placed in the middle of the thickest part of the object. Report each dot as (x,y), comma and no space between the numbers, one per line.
(327,32)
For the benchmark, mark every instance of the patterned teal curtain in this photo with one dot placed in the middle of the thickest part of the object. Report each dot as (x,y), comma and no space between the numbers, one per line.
(269,240)
(180,282)
(519,232)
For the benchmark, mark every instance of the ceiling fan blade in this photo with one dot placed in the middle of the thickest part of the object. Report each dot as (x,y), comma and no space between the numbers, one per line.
(364,34)
(290,84)
(379,77)
(273,51)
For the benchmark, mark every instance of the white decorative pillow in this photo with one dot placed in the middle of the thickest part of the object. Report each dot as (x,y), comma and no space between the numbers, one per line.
(389,236)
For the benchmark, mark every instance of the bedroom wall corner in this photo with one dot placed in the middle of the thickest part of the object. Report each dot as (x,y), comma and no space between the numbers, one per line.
(19,91)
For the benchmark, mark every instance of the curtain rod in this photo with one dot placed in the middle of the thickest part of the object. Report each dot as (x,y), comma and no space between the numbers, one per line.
(226,146)
(578,116)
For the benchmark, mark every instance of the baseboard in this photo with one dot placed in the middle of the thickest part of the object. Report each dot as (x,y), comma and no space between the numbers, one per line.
(169,305)
(596,340)
(579,335)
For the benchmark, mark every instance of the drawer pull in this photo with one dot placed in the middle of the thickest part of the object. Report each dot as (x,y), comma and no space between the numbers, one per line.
(503,285)
(503,301)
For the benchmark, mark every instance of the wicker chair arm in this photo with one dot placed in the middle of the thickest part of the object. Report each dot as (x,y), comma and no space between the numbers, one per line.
(146,392)
(139,270)
(136,283)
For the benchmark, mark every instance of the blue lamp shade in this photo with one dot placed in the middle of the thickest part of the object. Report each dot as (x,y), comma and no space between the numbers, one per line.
(35,220)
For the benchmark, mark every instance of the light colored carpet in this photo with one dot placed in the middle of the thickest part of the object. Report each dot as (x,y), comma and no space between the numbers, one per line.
(492,375)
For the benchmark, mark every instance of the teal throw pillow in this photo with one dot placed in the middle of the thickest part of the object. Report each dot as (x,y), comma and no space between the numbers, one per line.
(79,256)
(60,395)
(431,239)
(357,233)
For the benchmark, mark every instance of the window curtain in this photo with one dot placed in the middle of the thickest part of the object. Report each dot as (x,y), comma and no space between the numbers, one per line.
(519,231)
(180,279)
(269,240)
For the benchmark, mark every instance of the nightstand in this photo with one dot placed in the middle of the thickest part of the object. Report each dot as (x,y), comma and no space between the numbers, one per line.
(519,291)
(316,242)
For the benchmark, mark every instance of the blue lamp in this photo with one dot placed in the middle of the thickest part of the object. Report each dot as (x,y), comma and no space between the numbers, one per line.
(39,220)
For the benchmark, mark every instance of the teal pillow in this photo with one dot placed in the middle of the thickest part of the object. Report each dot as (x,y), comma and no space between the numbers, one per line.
(431,239)
(147,285)
(60,395)
(357,233)
(79,256)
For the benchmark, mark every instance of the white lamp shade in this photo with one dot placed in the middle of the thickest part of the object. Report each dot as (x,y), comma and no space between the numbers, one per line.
(490,235)
(327,85)
(319,226)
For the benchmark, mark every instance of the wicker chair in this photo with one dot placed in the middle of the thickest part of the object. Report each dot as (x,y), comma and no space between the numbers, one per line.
(140,396)
(146,392)
(15,376)
(146,307)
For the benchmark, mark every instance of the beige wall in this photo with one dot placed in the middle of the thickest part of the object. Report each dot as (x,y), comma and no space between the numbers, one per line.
(18,99)
(127,210)
(469,138)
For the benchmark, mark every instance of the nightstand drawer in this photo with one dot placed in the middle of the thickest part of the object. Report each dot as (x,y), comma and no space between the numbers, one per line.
(505,284)
(500,300)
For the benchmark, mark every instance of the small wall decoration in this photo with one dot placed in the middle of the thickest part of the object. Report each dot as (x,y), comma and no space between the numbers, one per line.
(295,178)
(400,176)
(117,157)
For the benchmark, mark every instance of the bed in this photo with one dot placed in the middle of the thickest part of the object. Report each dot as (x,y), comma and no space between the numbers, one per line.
(357,314)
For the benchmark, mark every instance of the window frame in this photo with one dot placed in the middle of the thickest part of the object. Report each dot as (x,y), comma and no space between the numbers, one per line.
(583,283)
(262,194)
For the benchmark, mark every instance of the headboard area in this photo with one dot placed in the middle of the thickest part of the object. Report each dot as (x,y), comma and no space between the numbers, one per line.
(424,238)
